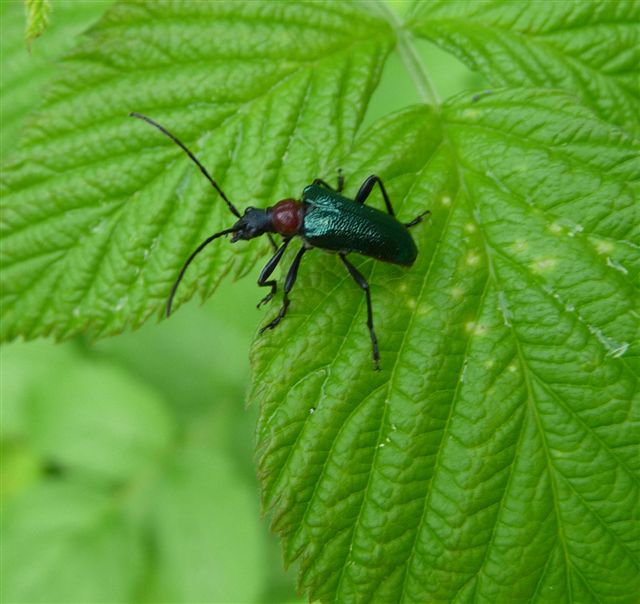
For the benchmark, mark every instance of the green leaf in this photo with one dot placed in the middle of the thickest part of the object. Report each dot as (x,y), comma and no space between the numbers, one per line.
(72,540)
(100,211)
(591,48)
(494,457)
(75,478)
(23,74)
(37,19)
(196,522)
(98,421)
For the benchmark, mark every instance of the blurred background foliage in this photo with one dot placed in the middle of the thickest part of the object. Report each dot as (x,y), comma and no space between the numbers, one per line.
(127,464)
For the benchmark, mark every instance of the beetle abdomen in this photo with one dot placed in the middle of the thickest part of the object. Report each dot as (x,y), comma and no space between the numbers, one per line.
(333,222)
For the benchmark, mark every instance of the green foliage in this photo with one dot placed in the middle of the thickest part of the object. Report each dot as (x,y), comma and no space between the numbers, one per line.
(494,457)
(80,224)
(496,436)
(37,18)
(102,429)
(590,48)
(24,75)
(108,550)
(127,476)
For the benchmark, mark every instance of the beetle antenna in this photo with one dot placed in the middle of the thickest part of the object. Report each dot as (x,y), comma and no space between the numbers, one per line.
(204,244)
(195,160)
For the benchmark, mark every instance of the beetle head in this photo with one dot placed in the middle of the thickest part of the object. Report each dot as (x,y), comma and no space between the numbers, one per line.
(254,223)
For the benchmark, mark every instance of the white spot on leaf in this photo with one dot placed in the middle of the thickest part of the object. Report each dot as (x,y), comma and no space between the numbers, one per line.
(576,228)
(424,309)
(618,352)
(616,265)
(543,265)
(463,373)
(504,307)
(473,259)
(604,247)
(614,349)
(480,330)
(457,292)
(98,227)
(520,245)
(122,302)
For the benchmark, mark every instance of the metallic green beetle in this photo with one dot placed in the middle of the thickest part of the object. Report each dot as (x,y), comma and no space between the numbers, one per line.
(323,218)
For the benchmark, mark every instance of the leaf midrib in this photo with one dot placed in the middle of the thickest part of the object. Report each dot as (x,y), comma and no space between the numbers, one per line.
(305,320)
(530,373)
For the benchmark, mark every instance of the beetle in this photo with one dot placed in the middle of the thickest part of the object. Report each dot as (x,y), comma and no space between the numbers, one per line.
(322,218)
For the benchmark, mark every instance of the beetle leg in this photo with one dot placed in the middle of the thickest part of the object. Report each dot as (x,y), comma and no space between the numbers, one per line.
(417,219)
(272,241)
(362,283)
(326,185)
(367,187)
(323,183)
(288,284)
(266,273)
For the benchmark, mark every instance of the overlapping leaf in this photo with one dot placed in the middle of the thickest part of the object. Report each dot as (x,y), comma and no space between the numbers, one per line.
(38,15)
(100,501)
(100,211)
(494,457)
(590,48)
(94,439)
(104,568)
(491,459)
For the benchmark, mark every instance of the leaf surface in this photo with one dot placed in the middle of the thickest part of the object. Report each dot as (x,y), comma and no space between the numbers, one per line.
(100,211)
(590,48)
(493,457)
(23,74)
(101,503)
(115,430)
(87,549)
(196,520)
(95,438)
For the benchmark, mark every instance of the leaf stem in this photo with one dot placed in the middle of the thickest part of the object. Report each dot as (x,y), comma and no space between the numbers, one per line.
(410,58)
